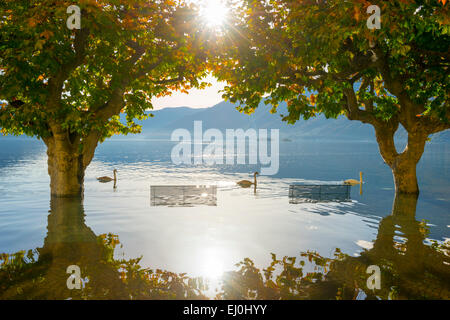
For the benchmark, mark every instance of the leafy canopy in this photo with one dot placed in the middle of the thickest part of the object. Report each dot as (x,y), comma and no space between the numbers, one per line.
(126,53)
(282,50)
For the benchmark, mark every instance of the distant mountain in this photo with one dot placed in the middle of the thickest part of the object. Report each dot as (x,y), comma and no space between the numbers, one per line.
(225,116)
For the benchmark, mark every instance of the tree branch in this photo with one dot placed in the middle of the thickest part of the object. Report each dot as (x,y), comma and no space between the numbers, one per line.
(384,133)
(408,109)
(89,146)
(352,108)
(56,83)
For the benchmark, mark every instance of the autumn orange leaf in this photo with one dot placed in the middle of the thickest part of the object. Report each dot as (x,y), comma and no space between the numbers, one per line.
(46,34)
(312,99)
(356,14)
(32,23)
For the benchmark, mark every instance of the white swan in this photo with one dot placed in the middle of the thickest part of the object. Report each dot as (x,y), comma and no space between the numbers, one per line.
(106,179)
(353,182)
(246,183)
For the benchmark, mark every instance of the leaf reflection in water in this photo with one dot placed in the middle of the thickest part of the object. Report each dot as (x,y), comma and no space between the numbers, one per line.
(410,269)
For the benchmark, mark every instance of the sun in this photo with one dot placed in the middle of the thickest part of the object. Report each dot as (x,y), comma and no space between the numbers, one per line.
(211,264)
(214,12)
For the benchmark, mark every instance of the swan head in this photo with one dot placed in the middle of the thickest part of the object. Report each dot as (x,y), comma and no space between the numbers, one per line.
(115,170)
(256,173)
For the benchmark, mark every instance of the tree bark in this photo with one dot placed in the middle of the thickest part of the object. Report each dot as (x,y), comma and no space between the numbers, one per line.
(405,177)
(403,165)
(65,169)
(68,158)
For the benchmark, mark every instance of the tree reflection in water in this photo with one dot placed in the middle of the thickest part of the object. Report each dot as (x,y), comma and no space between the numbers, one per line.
(410,268)
(41,274)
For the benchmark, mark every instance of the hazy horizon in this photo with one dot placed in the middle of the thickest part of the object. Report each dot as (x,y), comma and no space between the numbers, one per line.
(196,99)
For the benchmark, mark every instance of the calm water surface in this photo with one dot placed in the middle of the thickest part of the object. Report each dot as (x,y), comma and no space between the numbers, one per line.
(407,238)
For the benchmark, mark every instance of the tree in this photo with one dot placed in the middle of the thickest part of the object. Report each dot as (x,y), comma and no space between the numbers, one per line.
(68,87)
(322,58)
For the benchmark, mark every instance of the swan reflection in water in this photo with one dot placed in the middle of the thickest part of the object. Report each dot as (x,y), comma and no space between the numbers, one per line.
(410,268)
(183,196)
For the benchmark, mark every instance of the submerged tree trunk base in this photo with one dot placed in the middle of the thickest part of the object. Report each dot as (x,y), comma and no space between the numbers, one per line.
(66,170)
(405,178)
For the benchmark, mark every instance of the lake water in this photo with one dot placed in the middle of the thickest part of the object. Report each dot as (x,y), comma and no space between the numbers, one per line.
(207,240)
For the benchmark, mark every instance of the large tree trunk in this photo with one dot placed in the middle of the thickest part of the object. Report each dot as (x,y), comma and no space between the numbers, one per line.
(405,177)
(403,164)
(66,172)
(68,158)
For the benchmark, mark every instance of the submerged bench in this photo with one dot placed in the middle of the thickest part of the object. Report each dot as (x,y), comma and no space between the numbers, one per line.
(183,196)
(318,193)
